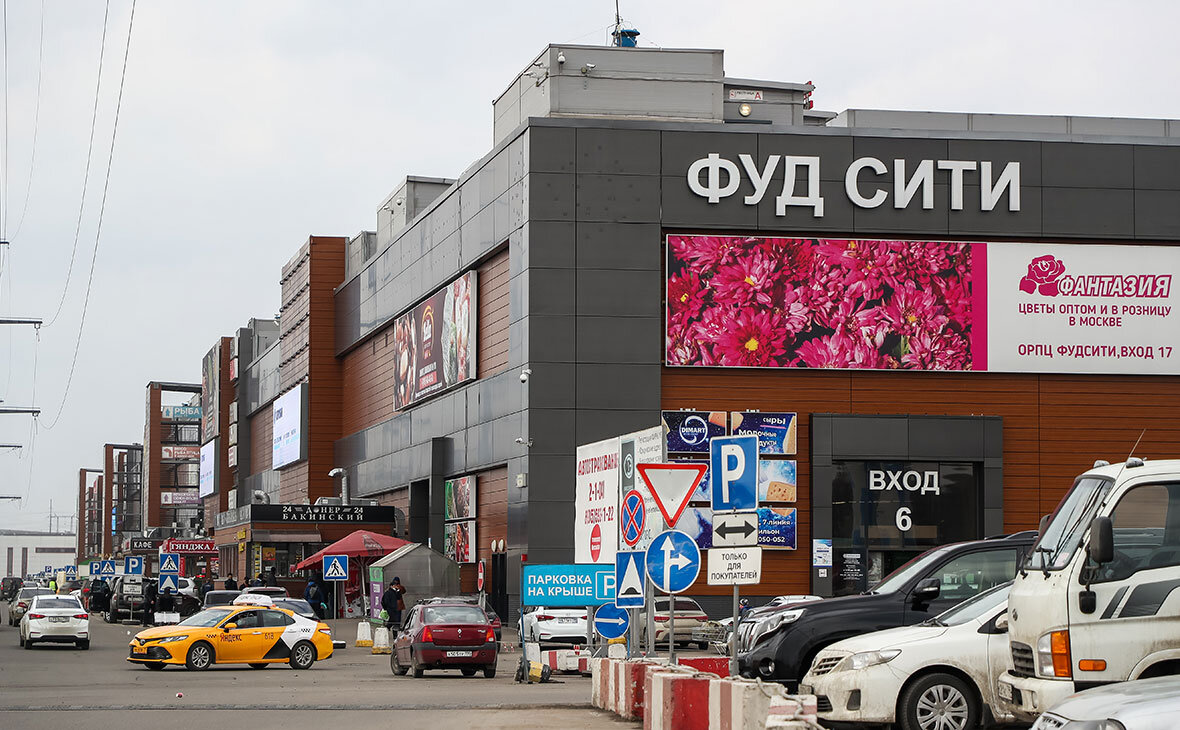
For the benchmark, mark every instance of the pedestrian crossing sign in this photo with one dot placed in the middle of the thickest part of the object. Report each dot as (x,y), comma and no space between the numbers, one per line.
(169,562)
(169,580)
(335,567)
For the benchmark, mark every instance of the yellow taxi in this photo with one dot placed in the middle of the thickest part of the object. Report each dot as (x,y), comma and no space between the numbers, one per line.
(251,631)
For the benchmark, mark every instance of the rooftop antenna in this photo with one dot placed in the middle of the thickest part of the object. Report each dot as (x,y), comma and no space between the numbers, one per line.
(624,37)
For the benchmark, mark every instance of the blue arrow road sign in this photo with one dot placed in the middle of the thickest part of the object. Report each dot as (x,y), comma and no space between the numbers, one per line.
(133,565)
(107,568)
(733,467)
(611,622)
(629,572)
(169,562)
(567,585)
(335,567)
(169,580)
(673,561)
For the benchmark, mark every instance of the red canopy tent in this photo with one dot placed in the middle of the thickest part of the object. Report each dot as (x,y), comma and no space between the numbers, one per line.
(363,548)
(360,544)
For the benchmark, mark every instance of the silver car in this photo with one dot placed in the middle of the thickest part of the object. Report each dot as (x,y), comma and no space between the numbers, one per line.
(1144,704)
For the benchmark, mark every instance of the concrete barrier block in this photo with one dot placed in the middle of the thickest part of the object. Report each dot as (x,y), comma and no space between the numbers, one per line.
(364,634)
(710,664)
(380,642)
(598,669)
(617,651)
(791,711)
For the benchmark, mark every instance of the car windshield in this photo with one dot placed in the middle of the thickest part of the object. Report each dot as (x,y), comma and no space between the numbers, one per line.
(207,618)
(976,607)
(453,615)
(898,578)
(57,602)
(1067,524)
(30,592)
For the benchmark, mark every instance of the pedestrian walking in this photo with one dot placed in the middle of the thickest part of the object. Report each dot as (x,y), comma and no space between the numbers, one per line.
(258,581)
(205,588)
(149,604)
(230,583)
(313,595)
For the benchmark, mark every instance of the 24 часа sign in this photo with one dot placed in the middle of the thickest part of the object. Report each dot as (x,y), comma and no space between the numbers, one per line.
(763,302)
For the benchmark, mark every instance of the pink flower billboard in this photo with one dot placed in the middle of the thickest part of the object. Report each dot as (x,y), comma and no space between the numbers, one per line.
(737,301)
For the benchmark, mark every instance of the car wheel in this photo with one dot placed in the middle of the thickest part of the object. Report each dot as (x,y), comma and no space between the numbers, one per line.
(200,656)
(395,666)
(938,702)
(468,671)
(22,639)
(28,644)
(703,645)
(489,671)
(417,669)
(302,656)
(84,645)
(258,665)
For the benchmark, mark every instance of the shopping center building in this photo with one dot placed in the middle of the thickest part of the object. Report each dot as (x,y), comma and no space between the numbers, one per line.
(950,315)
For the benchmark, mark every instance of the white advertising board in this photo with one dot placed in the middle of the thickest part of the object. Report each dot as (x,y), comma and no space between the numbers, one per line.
(285,439)
(208,474)
(1083,309)
(596,502)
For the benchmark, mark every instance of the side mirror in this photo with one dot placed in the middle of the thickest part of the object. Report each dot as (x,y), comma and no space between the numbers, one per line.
(1042,525)
(1002,623)
(227,627)
(1101,548)
(927,590)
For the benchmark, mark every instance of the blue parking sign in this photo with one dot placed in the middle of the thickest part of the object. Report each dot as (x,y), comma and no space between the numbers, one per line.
(733,467)
(133,565)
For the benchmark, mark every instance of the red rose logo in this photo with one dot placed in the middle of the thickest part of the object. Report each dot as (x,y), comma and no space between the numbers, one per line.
(1043,273)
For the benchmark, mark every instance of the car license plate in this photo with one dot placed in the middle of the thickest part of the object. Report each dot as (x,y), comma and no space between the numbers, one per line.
(1004,690)
(455,654)
(567,620)
(138,650)
(806,689)
(58,619)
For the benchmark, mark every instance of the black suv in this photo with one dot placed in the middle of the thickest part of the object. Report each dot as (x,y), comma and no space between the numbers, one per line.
(779,645)
(9,587)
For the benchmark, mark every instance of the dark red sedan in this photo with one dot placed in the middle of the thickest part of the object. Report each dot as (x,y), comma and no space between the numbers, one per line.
(445,636)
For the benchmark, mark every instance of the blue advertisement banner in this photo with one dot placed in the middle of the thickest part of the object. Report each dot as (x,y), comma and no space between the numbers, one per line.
(689,431)
(776,527)
(775,431)
(567,585)
(697,523)
(777,480)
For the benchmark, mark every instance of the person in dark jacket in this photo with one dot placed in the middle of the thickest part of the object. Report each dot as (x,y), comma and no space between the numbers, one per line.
(393,601)
(166,603)
(149,604)
(315,597)
(230,583)
(271,579)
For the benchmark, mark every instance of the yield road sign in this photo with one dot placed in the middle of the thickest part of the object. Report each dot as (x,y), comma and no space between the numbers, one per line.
(611,621)
(107,568)
(335,567)
(672,486)
(629,570)
(169,562)
(169,580)
(673,561)
(735,529)
(733,466)
(133,565)
(634,517)
(735,566)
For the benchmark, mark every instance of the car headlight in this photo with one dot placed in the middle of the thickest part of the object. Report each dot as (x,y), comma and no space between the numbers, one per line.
(773,623)
(870,658)
(169,639)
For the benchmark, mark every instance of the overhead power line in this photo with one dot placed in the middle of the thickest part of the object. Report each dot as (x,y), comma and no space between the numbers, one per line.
(89,154)
(98,230)
(36,123)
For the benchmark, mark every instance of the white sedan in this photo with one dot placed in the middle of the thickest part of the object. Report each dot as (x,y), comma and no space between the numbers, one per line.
(55,619)
(937,675)
(567,625)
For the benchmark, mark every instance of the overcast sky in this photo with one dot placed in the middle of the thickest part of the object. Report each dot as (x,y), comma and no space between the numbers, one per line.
(247,126)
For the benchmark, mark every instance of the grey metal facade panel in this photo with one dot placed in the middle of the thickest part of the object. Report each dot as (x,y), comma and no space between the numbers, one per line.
(1101,166)
(607,293)
(594,425)
(678,150)
(869,437)
(618,198)
(551,430)
(973,222)
(550,196)
(550,291)
(835,153)
(546,244)
(1088,212)
(550,149)
(946,439)
(552,385)
(616,152)
(1000,153)
(633,340)
(681,207)
(602,245)
(555,338)
(1157,168)
(1157,214)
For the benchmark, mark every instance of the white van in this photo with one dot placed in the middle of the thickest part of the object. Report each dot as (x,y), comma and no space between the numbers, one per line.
(1097,601)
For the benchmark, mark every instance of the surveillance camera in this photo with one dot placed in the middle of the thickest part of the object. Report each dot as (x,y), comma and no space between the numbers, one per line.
(588,68)
(524,375)
(560,57)
(519,440)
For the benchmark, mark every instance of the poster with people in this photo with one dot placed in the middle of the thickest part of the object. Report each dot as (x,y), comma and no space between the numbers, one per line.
(434,343)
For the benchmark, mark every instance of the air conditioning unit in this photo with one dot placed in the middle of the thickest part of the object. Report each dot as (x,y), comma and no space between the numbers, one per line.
(329,501)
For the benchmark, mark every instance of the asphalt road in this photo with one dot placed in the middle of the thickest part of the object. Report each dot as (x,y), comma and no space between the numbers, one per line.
(54,684)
